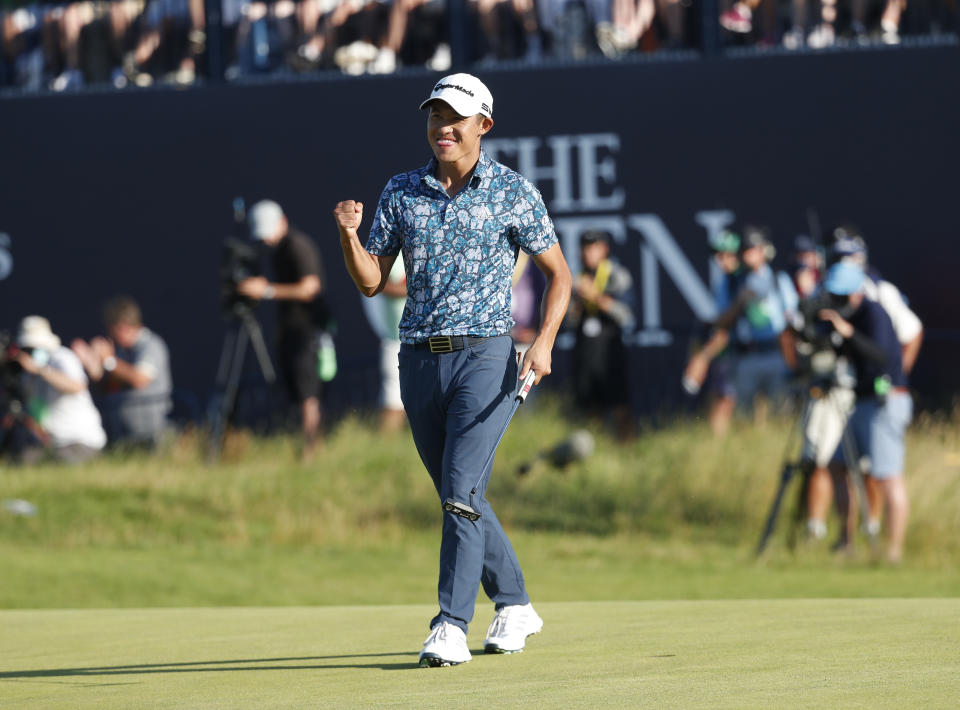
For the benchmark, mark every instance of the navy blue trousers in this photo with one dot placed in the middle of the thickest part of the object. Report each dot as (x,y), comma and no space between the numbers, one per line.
(456,404)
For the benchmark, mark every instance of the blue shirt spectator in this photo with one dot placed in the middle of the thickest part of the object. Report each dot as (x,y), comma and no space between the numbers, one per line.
(763,317)
(724,264)
(140,415)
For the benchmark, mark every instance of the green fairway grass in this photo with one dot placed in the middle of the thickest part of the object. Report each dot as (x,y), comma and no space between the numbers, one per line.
(404,571)
(278,584)
(870,654)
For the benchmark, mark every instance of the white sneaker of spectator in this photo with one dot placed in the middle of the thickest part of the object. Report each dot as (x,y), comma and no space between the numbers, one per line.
(821,36)
(184,76)
(605,40)
(445,646)
(385,63)
(69,79)
(890,32)
(441,59)
(510,627)
(354,58)
(614,41)
(309,52)
(793,39)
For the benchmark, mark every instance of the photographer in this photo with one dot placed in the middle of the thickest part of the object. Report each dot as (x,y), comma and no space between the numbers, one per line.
(883,406)
(829,377)
(133,369)
(850,246)
(300,309)
(54,389)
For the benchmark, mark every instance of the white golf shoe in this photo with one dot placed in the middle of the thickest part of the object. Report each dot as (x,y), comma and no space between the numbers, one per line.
(445,646)
(510,628)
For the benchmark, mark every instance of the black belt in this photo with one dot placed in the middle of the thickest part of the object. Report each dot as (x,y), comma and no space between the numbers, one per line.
(757,348)
(449,343)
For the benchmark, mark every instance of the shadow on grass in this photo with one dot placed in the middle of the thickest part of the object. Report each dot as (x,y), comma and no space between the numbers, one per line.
(246,664)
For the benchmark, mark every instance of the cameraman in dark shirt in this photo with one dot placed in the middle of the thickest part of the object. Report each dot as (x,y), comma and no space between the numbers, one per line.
(883,404)
(297,268)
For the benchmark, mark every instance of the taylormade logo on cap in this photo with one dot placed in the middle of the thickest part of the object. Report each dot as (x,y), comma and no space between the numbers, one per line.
(464,93)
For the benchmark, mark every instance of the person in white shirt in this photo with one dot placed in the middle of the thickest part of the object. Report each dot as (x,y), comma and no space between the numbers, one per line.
(57,397)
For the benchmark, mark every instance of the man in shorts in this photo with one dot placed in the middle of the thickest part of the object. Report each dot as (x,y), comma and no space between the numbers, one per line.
(883,405)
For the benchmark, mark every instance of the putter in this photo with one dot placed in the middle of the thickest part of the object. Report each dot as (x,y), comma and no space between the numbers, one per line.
(467,511)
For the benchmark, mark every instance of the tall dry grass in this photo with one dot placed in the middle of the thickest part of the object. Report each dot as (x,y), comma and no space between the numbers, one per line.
(678,482)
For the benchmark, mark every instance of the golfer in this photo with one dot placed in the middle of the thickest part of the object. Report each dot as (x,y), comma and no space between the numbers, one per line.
(460,222)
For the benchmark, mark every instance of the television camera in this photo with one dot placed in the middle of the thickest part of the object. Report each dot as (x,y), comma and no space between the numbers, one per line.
(240,260)
(829,380)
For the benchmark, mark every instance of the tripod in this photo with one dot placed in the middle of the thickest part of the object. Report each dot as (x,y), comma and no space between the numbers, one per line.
(827,395)
(243,331)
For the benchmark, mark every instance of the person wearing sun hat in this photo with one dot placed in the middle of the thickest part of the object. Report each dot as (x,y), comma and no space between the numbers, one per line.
(57,397)
(883,408)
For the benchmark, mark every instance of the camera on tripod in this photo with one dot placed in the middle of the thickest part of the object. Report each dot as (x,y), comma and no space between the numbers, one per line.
(821,428)
(11,393)
(240,260)
(10,367)
(818,344)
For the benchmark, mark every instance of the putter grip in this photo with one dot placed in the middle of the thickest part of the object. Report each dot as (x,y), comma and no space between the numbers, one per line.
(526,385)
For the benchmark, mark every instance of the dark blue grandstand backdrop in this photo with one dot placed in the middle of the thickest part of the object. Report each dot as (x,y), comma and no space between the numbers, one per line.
(133,192)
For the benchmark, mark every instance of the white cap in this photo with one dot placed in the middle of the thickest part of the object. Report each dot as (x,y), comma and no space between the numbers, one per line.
(35,332)
(264,219)
(464,93)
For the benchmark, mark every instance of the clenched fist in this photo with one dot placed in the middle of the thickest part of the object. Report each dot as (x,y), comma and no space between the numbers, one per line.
(348,214)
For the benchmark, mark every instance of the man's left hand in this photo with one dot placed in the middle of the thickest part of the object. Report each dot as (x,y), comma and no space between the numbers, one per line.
(254,287)
(537,358)
(585,289)
(839,324)
(28,364)
(103,348)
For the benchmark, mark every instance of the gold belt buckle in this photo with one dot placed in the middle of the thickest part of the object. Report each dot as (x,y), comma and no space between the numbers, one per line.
(441,344)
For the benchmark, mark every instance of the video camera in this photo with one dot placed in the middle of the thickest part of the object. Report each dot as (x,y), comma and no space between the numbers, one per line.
(240,260)
(818,344)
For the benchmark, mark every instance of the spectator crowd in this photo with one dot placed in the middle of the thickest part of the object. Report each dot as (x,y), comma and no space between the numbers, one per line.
(49,409)
(68,402)
(66,45)
(834,338)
